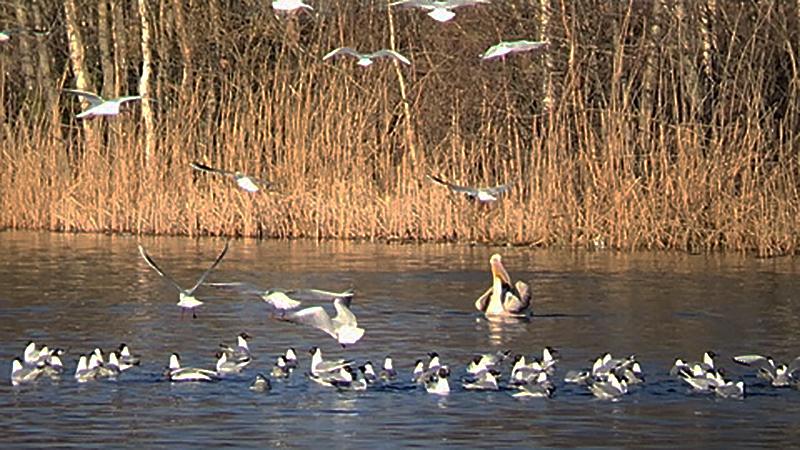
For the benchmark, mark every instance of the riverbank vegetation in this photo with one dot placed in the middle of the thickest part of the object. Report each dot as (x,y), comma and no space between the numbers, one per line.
(664,124)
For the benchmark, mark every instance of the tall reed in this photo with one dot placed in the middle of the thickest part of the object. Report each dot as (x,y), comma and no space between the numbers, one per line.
(672,126)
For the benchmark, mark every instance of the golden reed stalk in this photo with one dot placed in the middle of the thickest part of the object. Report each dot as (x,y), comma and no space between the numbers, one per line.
(640,147)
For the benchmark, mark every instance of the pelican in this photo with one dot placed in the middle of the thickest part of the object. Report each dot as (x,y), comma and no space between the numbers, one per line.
(481,194)
(439,10)
(366,59)
(290,5)
(503,299)
(186,299)
(343,327)
(505,47)
(99,106)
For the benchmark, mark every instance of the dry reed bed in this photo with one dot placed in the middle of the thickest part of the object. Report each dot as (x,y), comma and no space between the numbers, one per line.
(639,149)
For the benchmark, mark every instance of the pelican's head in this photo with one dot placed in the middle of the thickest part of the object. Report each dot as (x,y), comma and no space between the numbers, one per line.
(498,271)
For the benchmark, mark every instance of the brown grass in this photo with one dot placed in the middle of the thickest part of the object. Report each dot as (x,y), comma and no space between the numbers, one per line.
(641,149)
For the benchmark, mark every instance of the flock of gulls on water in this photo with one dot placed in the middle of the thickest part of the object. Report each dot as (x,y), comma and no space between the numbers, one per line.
(608,378)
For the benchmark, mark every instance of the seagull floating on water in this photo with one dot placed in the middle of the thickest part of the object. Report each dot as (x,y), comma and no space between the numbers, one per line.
(24,375)
(506,47)
(366,59)
(261,384)
(504,299)
(343,326)
(177,373)
(778,375)
(186,299)
(241,351)
(439,10)
(481,194)
(99,106)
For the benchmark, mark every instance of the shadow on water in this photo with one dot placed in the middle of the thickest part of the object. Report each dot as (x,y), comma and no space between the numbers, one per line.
(84,291)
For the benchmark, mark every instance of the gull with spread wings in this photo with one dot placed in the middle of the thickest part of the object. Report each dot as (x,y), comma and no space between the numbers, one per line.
(343,326)
(366,59)
(186,298)
(99,106)
(482,194)
(439,10)
(506,47)
(246,182)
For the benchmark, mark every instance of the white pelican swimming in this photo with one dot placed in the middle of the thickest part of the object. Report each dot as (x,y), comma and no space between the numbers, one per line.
(504,299)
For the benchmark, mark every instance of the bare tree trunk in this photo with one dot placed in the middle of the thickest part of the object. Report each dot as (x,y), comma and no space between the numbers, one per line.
(651,61)
(708,13)
(544,35)
(44,73)
(409,128)
(120,34)
(24,54)
(104,44)
(77,55)
(184,40)
(144,84)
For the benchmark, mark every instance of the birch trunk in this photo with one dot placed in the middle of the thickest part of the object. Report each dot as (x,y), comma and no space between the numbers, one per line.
(77,56)
(144,84)
(120,35)
(409,128)
(104,44)
(544,35)
(184,40)
(24,54)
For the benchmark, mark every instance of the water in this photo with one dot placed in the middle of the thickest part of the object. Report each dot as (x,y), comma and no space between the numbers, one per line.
(84,291)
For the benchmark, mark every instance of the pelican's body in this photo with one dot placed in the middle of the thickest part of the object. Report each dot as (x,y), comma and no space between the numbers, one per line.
(503,299)
(366,59)
(99,106)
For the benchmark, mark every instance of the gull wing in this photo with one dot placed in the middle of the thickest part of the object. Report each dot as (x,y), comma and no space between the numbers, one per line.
(129,98)
(483,301)
(756,361)
(317,295)
(315,317)
(454,187)
(205,274)
(280,300)
(342,50)
(153,265)
(204,168)
(497,190)
(391,54)
(524,46)
(457,3)
(793,367)
(91,97)
(518,301)
(344,317)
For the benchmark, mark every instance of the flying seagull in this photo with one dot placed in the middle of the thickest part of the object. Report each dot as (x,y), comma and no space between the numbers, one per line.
(99,106)
(5,35)
(482,194)
(366,59)
(505,47)
(504,299)
(282,300)
(246,182)
(343,327)
(438,10)
(186,299)
(290,5)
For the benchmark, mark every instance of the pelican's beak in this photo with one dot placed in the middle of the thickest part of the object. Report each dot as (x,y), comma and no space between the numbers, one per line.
(498,271)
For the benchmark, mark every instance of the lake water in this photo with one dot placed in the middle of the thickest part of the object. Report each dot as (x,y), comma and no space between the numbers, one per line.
(84,291)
